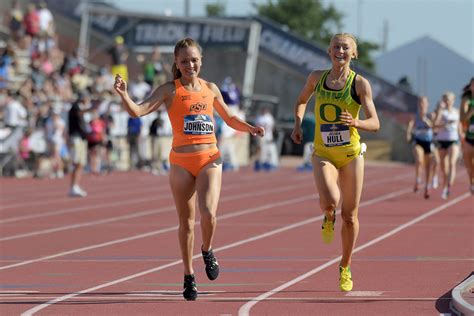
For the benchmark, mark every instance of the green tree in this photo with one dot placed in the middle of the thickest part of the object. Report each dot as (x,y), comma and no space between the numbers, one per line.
(215,9)
(313,21)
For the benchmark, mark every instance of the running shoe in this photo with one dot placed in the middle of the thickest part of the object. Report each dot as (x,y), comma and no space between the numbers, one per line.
(434,183)
(427,193)
(190,290)
(445,194)
(345,279)
(327,229)
(76,191)
(212,266)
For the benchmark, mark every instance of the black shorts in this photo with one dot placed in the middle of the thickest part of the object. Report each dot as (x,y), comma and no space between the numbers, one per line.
(470,141)
(445,144)
(426,145)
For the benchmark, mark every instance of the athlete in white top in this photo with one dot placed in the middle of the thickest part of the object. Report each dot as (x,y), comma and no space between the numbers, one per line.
(449,127)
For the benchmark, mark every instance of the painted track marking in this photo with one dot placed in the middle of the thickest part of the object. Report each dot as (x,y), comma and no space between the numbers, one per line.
(232,245)
(245,309)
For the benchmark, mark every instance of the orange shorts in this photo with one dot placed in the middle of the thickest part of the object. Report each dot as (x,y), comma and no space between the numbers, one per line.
(194,162)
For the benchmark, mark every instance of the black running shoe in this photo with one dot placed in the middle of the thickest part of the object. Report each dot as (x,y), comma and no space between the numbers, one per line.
(190,292)
(212,266)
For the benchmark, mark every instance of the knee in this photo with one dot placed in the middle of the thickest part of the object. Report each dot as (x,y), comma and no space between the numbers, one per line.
(328,206)
(187,226)
(349,219)
(208,216)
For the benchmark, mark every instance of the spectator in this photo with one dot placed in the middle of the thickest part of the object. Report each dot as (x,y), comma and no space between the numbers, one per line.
(55,133)
(159,159)
(230,92)
(46,20)
(119,55)
(16,21)
(307,126)
(15,113)
(134,126)
(32,21)
(267,153)
(139,89)
(96,140)
(78,143)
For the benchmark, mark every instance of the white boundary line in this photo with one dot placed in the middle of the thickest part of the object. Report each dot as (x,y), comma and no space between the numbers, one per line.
(37,308)
(136,214)
(110,192)
(109,204)
(156,232)
(245,309)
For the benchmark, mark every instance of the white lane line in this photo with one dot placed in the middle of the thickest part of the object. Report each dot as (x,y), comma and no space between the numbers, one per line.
(110,191)
(232,245)
(156,232)
(245,309)
(152,233)
(136,214)
(211,298)
(111,204)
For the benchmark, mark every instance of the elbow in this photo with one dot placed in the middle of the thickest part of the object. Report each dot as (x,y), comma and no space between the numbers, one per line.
(376,127)
(134,114)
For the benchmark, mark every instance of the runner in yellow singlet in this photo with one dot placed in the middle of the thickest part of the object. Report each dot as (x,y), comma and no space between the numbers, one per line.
(340,93)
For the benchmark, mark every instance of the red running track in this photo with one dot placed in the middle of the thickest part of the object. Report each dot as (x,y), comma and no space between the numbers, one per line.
(116,251)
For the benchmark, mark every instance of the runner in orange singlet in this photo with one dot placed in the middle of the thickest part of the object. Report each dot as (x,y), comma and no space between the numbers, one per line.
(196,166)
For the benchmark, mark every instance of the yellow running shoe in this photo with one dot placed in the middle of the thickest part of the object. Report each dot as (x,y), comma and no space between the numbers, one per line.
(345,279)
(327,230)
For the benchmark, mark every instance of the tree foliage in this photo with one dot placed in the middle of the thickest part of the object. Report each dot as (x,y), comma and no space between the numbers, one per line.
(215,9)
(313,21)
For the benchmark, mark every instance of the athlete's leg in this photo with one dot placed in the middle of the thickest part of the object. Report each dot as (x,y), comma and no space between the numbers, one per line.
(428,176)
(182,184)
(435,162)
(453,154)
(468,158)
(351,181)
(325,177)
(208,186)
(443,159)
(418,155)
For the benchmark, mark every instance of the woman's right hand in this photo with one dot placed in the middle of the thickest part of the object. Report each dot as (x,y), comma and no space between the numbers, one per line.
(120,85)
(297,135)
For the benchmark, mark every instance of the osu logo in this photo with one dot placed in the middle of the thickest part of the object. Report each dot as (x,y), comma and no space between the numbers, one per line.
(198,107)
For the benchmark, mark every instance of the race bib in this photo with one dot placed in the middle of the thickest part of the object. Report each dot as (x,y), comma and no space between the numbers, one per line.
(199,124)
(335,135)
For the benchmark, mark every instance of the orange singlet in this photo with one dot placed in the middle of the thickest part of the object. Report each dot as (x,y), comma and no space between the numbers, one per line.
(192,120)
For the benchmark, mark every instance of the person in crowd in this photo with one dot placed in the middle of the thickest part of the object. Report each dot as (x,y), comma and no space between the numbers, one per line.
(158,133)
(196,166)
(267,153)
(420,134)
(119,55)
(155,69)
(307,126)
(96,139)
(77,133)
(338,162)
(134,128)
(55,135)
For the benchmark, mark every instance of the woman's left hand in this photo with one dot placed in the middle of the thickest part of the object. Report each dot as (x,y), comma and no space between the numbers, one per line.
(347,119)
